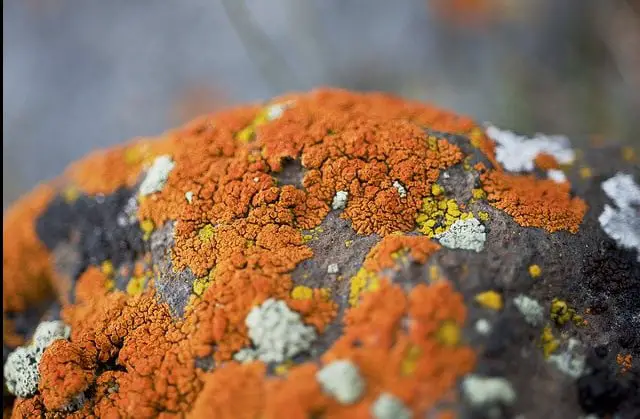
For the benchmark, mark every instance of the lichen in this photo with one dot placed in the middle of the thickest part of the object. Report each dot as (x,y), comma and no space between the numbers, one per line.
(518,153)
(21,373)
(467,234)
(490,299)
(622,222)
(488,391)
(388,406)
(530,309)
(277,332)
(341,379)
(157,175)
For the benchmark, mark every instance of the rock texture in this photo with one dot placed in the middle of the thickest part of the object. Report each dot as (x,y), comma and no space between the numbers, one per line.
(331,207)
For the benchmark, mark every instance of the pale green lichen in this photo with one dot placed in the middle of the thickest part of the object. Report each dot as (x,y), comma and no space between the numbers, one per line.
(277,333)
(157,175)
(341,379)
(465,234)
(21,373)
(388,406)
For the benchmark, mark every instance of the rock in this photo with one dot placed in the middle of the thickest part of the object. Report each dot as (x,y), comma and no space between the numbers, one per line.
(375,223)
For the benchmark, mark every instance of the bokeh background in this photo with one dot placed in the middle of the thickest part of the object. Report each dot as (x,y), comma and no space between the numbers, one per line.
(85,74)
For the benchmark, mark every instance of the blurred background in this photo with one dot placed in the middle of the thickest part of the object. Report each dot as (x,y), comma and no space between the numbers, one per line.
(85,74)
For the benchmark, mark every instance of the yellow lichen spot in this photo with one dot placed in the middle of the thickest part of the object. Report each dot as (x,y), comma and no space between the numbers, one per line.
(438,214)
(535,271)
(478,193)
(434,273)
(136,285)
(436,190)
(283,368)
(628,154)
(200,285)
(410,360)
(432,142)
(490,299)
(109,284)
(585,172)
(306,238)
(483,216)
(466,163)
(348,243)
(206,233)
(246,134)
(364,280)
(449,333)
(301,293)
(549,343)
(107,267)
(475,136)
(70,194)
(147,227)
(561,312)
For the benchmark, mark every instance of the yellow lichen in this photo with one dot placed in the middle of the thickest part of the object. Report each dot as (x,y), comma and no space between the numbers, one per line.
(449,333)
(490,299)
(483,216)
(628,154)
(585,172)
(561,313)
(549,342)
(364,280)
(147,227)
(107,268)
(410,360)
(478,193)
(136,285)
(438,214)
(206,233)
(301,293)
(70,194)
(535,271)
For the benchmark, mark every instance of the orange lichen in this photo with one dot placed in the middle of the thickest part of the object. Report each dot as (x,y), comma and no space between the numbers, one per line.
(26,268)
(382,256)
(624,361)
(546,161)
(93,283)
(65,373)
(535,202)
(27,272)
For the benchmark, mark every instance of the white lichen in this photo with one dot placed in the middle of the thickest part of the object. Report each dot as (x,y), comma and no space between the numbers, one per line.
(388,406)
(488,391)
(466,234)
(128,216)
(402,191)
(276,110)
(157,175)
(245,355)
(622,222)
(341,379)
(340,200)
(21,369)
(483,327)
(333,268)
(517,153)
(556,175)
(188,196)
(530,309)
(277,332)
(571,361)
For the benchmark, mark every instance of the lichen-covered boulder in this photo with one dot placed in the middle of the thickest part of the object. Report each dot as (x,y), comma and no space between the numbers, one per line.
(329,254)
